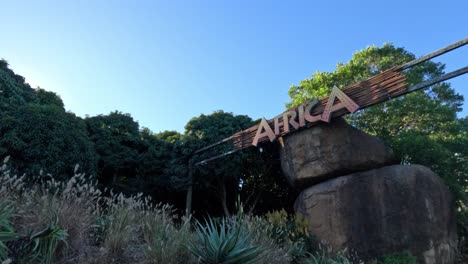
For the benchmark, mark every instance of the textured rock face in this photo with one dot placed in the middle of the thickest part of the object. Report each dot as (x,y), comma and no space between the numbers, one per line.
(329,150)
(383,211)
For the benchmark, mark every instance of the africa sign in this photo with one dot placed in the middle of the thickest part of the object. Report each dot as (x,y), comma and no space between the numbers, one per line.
(384,86)
(301,115)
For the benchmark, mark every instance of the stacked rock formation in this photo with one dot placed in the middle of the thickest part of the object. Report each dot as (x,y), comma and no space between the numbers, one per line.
(356,197)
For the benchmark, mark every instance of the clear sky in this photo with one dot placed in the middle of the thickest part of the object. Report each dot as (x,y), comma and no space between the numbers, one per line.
(165,62)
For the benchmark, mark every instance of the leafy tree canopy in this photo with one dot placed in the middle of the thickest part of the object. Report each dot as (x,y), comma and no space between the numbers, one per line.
(36,131)
(14,91)
(118,145)
(216,126)
(44,137)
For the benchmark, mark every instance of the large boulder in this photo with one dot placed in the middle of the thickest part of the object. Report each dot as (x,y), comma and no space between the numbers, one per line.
(384,211)
(329,150)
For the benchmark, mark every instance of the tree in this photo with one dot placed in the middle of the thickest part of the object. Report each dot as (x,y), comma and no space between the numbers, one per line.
(252,176)
(14,91)
(36,131)
(118,145)
(422,127)
(264,187)
(43,137)
(208,129)
(49,98)
(162,164)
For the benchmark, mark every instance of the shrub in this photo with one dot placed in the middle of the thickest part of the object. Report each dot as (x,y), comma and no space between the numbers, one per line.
(288,227)
(291,230)
(260,230)
(401,258)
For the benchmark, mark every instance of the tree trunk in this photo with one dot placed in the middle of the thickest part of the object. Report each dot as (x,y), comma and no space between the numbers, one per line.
(224,198)
(252,207)
(188,199)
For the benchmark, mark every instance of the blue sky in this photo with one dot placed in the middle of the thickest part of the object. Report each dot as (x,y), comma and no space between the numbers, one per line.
(165,62)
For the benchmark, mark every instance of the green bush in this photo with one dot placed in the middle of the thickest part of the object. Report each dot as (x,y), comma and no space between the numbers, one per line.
(402,258)
(291,230)
(259,230)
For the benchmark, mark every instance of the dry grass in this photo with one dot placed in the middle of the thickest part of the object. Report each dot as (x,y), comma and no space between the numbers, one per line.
(113,228)
(164,239)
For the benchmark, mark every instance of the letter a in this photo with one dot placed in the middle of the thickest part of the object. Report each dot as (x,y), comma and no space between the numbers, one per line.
(345,102)
(268,132)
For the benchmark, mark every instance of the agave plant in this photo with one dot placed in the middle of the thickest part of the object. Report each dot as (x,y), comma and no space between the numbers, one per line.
(33,248)
(223,243)
(6,230)
(47,241)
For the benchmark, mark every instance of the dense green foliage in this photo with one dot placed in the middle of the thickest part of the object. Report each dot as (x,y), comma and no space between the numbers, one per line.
(116,138)
(422,127)
(36,131)
(43,137)
(402,258)
(14,90)
(209,129)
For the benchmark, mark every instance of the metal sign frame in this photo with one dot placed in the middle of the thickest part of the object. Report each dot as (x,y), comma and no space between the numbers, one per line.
(377,89)
(381,87)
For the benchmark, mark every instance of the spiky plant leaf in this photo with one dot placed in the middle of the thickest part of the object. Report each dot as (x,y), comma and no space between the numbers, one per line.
(223,242)
(6,229)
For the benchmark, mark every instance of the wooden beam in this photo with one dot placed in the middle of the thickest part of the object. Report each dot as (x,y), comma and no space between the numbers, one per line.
(203,162)
(436,53)
(213,145)
(439,79)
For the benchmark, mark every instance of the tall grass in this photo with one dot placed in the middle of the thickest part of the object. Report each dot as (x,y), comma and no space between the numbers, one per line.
(90,226)
(165,238)
(75,222)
